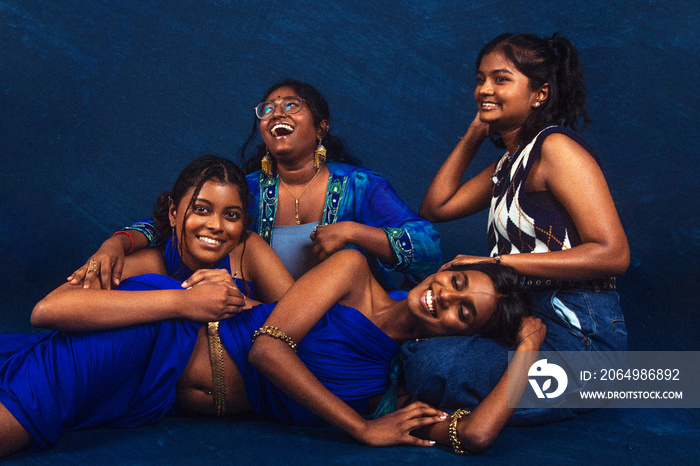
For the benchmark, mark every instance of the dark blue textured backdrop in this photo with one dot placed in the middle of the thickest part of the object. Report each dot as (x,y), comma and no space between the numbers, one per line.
(102,102)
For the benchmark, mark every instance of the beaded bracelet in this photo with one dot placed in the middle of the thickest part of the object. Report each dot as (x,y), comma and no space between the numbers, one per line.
(131,238)
(275,332)
(454,438)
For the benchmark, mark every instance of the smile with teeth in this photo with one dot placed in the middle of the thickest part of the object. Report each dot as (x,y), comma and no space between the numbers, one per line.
(488,105)
(430,302)
(281,129)
(212,241)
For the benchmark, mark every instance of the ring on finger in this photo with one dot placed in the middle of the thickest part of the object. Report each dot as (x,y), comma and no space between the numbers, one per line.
(93,266)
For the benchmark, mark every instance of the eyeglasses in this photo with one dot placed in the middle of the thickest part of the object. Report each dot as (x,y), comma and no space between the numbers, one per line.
(289,105)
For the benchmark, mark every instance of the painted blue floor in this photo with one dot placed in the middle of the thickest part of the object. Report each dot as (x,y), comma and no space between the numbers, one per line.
(606,436)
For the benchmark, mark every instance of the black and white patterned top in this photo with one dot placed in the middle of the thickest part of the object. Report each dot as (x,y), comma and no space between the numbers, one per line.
(518,224)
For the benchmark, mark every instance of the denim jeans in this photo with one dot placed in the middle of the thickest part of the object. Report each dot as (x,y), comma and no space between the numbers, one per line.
(458,372)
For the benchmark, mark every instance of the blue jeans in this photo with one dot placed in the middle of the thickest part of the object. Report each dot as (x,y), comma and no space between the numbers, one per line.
(458,372)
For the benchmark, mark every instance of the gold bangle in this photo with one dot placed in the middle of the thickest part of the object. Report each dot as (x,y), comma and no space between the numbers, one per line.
(454,438)
(275,332)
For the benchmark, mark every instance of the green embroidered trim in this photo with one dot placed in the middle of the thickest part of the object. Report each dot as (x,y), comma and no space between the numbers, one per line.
(269,187)
(334,195)
(401,243)
(269,192)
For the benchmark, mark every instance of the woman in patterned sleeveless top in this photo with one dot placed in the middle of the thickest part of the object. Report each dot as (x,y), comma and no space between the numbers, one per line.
(551,215)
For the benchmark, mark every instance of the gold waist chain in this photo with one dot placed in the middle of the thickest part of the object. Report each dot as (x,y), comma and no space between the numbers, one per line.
(216,358)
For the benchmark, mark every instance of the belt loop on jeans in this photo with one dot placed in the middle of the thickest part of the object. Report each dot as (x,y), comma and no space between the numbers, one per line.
(541,283)
(216,358)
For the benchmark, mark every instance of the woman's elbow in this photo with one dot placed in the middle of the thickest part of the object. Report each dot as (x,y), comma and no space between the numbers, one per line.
(40,315)
(476,441)
(618,259)
(427,213)
(261,353)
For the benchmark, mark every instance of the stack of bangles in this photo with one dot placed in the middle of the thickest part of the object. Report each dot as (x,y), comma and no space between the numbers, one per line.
(452,430)
(131,238)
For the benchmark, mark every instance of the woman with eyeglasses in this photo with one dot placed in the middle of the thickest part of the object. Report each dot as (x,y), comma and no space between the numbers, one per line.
(309,199)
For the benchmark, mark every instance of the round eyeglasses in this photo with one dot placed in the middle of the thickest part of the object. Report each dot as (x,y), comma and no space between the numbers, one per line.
(289,105)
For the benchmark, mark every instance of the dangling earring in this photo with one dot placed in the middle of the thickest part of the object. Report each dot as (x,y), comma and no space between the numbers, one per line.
(319,155)
(267,162)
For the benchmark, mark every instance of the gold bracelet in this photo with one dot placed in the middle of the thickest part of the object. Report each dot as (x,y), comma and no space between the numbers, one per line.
(275,332)
(454,438)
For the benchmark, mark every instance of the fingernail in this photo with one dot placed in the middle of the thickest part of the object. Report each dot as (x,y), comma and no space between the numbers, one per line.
(184,284)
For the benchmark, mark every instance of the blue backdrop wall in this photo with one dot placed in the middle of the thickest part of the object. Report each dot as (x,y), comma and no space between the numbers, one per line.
(103,102)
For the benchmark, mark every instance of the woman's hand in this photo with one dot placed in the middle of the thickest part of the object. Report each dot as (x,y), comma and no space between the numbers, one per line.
(212,302)
(395,428)
(109,265)
(209,277)
(531,334)
(478,130)
(331,238)
(463,259)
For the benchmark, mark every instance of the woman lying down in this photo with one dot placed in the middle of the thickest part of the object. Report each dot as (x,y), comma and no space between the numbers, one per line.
(321,355)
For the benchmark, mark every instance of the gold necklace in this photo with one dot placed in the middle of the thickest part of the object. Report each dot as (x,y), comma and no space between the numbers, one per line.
(296,199)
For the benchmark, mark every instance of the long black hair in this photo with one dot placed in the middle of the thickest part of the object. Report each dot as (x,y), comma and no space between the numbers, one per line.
(543,61)
(513,302)
(335,149)
(199,171)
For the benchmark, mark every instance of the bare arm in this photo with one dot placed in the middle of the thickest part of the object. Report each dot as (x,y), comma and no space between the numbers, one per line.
(447,197)
(343,277)
(75,308)
(478,430)
(110,257)
(333,237)
(575,179)
(265,269)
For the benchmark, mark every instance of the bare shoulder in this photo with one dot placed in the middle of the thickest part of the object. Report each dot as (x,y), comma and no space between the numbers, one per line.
(560,148)
(254,241)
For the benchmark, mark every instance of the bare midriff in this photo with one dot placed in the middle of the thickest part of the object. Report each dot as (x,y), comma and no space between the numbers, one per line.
(194,389)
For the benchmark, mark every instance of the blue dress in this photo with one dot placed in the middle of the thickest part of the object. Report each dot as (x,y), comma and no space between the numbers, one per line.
(59,381)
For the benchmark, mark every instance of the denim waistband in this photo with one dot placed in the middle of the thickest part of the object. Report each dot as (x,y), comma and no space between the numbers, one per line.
(540,283)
